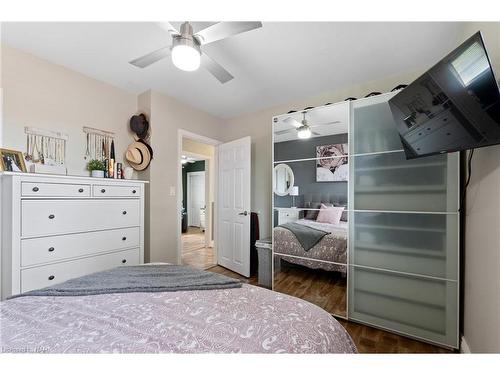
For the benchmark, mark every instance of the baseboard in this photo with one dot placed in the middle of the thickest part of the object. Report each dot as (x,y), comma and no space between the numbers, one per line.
(464,347)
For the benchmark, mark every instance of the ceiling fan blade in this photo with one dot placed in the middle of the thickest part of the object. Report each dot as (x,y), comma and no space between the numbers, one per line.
(167,26)
(314,133)
(215,68)
(151,58)
(293,122)
(281,132)
(324,123)
(224,30)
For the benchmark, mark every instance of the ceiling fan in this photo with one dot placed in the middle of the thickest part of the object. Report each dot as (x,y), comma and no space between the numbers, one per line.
(186,47)
(303,128)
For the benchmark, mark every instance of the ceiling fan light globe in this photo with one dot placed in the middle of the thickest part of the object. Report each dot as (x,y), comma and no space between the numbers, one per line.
(304,133)
(186,58)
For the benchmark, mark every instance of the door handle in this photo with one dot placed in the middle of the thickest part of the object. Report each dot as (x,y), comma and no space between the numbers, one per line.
(244,213)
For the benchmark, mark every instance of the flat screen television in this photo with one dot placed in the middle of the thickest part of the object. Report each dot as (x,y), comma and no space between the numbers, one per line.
(454,106)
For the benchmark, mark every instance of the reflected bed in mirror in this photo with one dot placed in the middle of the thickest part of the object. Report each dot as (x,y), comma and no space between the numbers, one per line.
(310,257)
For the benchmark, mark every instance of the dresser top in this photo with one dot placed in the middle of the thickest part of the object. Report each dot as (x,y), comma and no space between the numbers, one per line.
(58,176)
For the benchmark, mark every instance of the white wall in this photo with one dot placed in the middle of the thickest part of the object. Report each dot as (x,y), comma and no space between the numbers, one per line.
(167,115)
(40,94)
(482,239)
(258,125)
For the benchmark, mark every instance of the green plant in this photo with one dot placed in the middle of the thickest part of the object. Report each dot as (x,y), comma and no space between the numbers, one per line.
(96,165)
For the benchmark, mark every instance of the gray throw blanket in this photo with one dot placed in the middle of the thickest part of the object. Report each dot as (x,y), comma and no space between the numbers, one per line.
(307,236)
(130,279)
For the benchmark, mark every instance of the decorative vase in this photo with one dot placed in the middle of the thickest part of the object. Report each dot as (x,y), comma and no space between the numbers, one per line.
(128,173)
(97,173)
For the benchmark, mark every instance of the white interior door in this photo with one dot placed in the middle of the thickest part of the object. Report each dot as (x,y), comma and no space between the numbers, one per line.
(233,229)
(196,197)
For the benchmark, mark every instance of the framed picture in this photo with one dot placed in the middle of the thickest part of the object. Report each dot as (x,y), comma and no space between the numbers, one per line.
(11,160)
(335,168)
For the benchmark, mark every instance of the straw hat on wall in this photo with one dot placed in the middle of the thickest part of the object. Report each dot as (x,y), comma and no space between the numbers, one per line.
(139,155)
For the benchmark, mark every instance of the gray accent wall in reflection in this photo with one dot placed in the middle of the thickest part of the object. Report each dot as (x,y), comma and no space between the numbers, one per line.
(305,172)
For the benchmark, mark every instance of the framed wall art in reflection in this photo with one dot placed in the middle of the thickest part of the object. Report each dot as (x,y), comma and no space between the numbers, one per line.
(332,166)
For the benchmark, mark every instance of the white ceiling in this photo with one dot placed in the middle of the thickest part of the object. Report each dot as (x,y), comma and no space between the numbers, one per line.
(279,63)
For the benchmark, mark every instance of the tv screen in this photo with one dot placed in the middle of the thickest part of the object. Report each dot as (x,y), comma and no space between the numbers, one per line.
(454,106)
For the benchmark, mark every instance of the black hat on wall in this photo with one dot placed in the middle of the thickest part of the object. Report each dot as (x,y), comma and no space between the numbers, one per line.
(139,125)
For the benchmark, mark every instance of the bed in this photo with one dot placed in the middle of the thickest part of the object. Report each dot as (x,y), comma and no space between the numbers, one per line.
(331,248)
(248,319)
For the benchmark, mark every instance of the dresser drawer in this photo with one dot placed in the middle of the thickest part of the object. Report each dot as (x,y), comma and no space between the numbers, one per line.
(41,277)
(50,217)
(47,189)
(56,248)
(105,191)
(287,216)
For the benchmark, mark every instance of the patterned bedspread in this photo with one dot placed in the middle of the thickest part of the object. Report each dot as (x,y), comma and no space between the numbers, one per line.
(248,320)
(332,247)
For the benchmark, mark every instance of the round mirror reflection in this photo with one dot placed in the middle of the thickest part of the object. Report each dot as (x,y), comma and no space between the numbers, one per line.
(283,179)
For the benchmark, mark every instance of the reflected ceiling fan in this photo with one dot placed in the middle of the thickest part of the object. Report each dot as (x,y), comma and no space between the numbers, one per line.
(303,129)
(186,47)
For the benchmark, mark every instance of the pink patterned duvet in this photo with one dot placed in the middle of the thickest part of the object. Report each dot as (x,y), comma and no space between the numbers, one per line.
(244,320)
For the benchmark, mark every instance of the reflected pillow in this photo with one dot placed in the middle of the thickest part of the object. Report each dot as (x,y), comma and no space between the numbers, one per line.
(330,215)
(312,214)
(344,213)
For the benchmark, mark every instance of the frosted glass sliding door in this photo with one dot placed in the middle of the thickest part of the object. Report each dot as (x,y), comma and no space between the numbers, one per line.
(406,242)
(412,305)
(387,181)
(404,222)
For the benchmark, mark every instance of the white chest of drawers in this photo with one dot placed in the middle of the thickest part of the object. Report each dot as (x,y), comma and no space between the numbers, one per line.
(58,227)
(286,215)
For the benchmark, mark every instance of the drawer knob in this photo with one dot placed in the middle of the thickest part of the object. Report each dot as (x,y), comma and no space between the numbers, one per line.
(124,238)
(51,277)
(124,260)
(124,212)
(51,216)
(51,249)
(103,190)
(80,190)
(133,191)
(35,189)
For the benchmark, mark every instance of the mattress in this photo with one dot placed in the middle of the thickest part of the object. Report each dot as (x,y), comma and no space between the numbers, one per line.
(244,320)
(331,248)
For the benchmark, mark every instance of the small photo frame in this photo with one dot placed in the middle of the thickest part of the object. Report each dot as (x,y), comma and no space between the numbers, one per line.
(12,161)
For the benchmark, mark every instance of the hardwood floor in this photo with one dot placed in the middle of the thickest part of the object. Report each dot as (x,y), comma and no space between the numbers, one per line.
(373,340)
(325,289)
(194,252)
(367,339)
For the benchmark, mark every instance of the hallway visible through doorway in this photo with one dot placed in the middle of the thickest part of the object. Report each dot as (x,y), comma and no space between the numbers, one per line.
(194,251)
(197,172)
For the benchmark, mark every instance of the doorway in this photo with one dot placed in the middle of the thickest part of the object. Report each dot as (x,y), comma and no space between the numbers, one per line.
(197,201)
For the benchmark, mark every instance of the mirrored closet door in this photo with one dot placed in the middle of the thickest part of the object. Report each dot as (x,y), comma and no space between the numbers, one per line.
(310,193)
